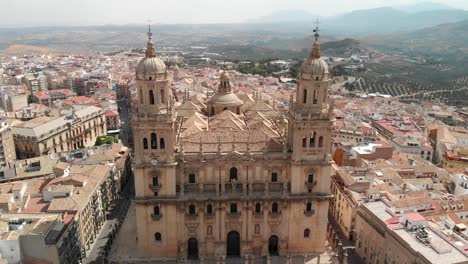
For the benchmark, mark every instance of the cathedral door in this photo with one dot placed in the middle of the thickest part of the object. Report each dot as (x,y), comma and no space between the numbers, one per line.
(192,248)
(273,246)
(233,244)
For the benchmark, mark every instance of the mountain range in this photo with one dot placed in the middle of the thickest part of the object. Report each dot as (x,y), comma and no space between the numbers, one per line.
(370,21)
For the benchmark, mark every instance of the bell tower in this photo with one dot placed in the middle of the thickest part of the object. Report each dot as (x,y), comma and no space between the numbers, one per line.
(154,130)
(309,140)
(310,116)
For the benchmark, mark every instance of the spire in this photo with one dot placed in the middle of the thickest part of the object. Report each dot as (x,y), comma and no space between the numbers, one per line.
(315,52)
(150,52)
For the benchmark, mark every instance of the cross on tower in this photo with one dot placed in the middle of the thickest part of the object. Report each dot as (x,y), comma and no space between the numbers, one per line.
(316,30)
(149,29)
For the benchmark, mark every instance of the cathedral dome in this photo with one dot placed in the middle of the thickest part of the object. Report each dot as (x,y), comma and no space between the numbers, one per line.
(150,67)
(314,67)
(225,99)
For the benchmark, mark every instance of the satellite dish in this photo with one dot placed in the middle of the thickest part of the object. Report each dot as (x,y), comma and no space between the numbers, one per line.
(154,162)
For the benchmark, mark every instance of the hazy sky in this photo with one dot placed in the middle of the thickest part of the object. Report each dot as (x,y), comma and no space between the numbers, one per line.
(94,12)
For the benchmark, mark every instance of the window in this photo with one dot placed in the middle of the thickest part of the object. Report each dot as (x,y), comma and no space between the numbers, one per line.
(320,142)
(154,141)
(156,210)
(233,208)
(191,209)
(209,209)
(157,236)
(305,96)
(145,143)
(307,232)
(274,208)
(233,174)
(191,178)
(310,178)
(312,140)
(309,207)
(151,96)
(315,97)
(162,95)
(155,181)
(274,177)
(162,143)
(304,142)
(422,152)
(141,97)
(258,208)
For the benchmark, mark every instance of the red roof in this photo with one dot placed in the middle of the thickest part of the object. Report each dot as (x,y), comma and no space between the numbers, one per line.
(415,217)
(81,100)
(111,113)
(36,205)
(45,93)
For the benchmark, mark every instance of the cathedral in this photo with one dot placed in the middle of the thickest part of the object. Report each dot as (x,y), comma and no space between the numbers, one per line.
(229,176)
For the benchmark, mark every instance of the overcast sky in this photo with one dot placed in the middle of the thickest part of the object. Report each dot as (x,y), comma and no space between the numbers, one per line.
(96,12)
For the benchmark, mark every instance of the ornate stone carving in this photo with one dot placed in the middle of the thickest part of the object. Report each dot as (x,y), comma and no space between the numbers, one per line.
(192,229)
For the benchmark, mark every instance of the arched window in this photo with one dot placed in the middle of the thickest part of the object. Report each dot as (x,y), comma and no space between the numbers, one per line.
(233,174)
(312,140)
(233,208)
(212,110)
(304,142)
(155,181)
(274,208)
(307,232)
(315,100)
(310,178)
(151,97)
(258,208)
(191,209)
(309,207)
(145,143)
(320,142)
(157,236)
(162,143)
(162,95)
(305,96)
(154,141)
(209,209)
(156,210)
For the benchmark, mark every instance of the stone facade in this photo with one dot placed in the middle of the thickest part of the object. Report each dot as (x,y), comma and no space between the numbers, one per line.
(46,135)
(256,182)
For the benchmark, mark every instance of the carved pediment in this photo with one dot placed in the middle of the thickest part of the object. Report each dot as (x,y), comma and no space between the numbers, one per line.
(235,156)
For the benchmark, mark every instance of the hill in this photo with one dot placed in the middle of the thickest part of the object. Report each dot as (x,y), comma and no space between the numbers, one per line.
(423,7)
(445,41)
(386,20)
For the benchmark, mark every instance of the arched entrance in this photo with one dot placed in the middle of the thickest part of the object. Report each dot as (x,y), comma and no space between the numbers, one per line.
(273,246)
(233,244)
(192,248)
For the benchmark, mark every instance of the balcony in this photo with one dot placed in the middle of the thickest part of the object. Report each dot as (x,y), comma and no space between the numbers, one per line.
(233,215)
(156,217)
(155,188)
(274,214)
(309,212)
(310,184)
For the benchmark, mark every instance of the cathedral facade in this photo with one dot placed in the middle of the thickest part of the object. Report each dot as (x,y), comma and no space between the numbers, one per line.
(231,176)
